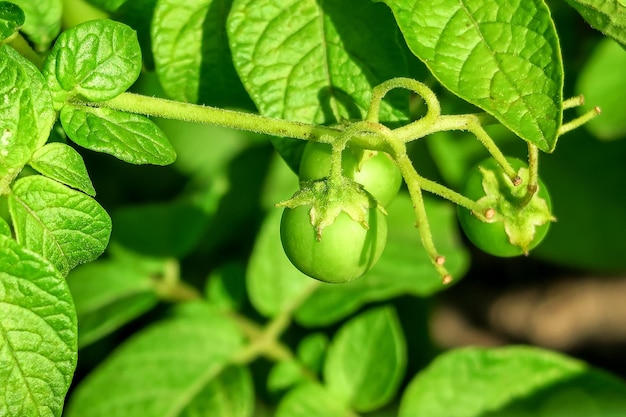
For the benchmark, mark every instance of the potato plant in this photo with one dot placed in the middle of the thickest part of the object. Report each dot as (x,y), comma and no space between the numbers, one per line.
(247,208)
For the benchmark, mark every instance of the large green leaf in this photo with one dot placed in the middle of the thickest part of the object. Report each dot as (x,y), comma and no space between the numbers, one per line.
(583,177)
(43,20)
(504,58)
(603,86)
(38,334)
(191,53)
(65,226)
(26,113)
(314,61)
(159,371)
(512,381)
(366,360)
(607,16)
(96,60)
(130,137)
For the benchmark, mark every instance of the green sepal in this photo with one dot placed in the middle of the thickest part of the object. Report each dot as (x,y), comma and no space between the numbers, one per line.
(329,197)
(506,203)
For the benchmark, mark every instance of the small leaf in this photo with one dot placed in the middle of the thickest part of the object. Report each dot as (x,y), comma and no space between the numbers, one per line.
(226,286)
(110,293)
(43,20)
(26,113)
(284,375)
(311,400)
(191,53)
(230,394)
(37,334)
(96,60)
(159,371)
(404,259)
(515,381)
(602,86)
(504,58)
(129,137)
(5,229)
(66,226)
(62,163)
(314,61)
(366,360)
(312,350)
(11,20)
(609,17)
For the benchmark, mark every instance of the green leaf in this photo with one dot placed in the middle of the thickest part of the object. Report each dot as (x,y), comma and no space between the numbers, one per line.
(609,17)
(584,166)
(160,229)
(511,381)
(230,394)
(62,163)
(602,86)
(366,360)
(403,268)
(66,226)
(96,61)
(273,282)
(159,371)
(311,400)
(43,20)
(129,137)
(5,229)
(26,113)
(110,293)
(310,358)
(312,351)
(504,58)
(37,334)
(226,286)
(11,20)
(191,53)
(284,375)
(314,61)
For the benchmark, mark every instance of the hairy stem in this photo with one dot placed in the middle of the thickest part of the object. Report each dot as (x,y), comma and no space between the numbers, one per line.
(170,109)
(421,89)
(466,122)
(412,179)
(579,121)
(23,47)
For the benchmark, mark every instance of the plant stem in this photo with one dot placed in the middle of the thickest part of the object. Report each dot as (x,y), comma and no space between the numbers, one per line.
(23,47)
(266,341)
(533,170)
(170,109)
(421,89)
(573,102)
(579,121)
(466,122)
(412,180)
(78,11)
